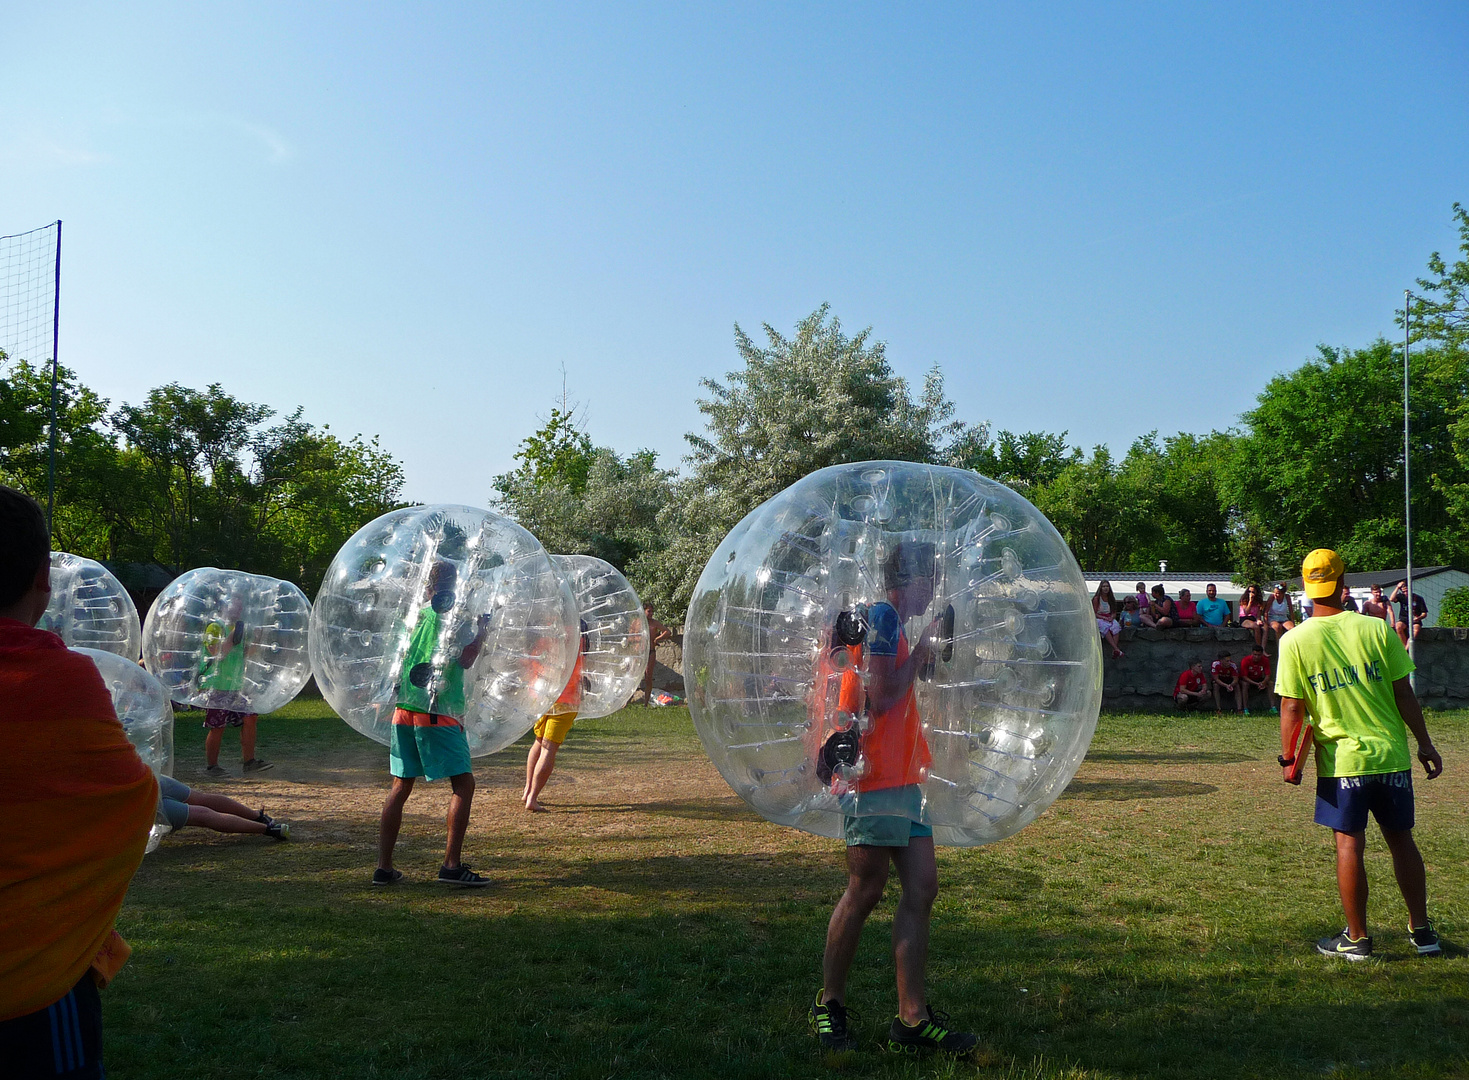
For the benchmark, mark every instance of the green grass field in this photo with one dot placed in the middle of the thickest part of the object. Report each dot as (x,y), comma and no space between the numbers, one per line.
(1157,921)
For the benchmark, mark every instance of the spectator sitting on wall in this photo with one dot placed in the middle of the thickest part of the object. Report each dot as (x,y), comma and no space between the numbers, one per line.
(1191,686)
(1225,677)
(1420,611)
(1278,614)
(1377,606)
(1163,610)
(1104,606)
(1254,674)
(1347,603)
(1308,608)
(1212,610)
(1188,611)
(1131,618)
(1142,597)
(1251,612)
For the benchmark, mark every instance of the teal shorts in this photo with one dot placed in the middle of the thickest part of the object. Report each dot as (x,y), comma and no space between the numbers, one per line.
(431,752)
(889,817)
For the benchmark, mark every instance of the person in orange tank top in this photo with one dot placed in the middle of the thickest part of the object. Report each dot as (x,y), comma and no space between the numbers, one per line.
(883,820)
(551,731)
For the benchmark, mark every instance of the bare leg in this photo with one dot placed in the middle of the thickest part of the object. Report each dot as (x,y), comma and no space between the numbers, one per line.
(1217,707)
(544,765)
(1402,629)
(212,819)
(919,876)
(212,740)
(392,820)
(1351,881)
(530,768)
(1407,867)
(247,738)
(867,873)
(222,804)
(458,823)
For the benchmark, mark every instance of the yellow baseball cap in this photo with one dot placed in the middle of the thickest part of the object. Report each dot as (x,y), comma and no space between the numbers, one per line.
(1321,573)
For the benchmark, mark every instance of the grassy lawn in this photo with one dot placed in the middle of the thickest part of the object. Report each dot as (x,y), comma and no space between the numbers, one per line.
(1158,920)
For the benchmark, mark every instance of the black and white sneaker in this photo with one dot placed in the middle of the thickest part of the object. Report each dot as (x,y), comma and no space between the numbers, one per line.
(278,830)
(1343,946)
(386,877)
(930,1034)
(462,875)
(830,1021)
(215,770)
(1425,940)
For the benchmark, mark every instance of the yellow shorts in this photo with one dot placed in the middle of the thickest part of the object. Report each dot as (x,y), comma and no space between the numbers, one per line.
(554,727)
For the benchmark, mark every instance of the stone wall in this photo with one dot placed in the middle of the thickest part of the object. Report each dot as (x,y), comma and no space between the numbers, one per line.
(1144,678)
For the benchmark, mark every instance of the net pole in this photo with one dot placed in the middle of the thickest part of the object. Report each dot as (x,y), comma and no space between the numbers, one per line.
(55,337)
(1407,484)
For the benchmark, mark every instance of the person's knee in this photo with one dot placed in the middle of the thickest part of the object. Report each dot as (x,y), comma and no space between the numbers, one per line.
(462,785)
(1351,843)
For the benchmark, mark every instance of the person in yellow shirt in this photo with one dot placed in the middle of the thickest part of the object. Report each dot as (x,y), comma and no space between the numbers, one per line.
(77,802)
(1348,673)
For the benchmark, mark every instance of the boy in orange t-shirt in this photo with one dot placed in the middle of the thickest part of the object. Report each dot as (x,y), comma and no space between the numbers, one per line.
(77,802)
(884,826)
(551,731)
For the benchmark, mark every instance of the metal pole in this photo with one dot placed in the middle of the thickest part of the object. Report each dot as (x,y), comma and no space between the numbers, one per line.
(55,335)
(1407,480)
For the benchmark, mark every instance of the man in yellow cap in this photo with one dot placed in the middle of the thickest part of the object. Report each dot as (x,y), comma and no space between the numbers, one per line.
(1349,674)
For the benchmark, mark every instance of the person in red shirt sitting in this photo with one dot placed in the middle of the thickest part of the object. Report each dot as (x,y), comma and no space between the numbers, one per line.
(1225,677)
(1254,674)
(1192,686)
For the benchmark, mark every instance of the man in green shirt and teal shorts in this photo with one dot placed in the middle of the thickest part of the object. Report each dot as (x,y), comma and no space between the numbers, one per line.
(428,734)
(1349,674)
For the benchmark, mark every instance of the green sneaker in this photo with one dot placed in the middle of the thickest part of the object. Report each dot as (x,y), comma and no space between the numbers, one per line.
(931,1034)
(830,1022)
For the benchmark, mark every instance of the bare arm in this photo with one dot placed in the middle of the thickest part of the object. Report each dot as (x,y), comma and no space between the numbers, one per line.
(1412,713)
(889,680)
(1292,716)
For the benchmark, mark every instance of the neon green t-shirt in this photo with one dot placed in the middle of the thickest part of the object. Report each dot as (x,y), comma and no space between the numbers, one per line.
(420,667)
(1343,667)
(224,673)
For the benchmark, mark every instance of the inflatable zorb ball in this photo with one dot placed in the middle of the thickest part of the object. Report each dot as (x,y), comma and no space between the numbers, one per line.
(90,609)
(797,646)
(616,632)
(143,706)
(225,639)
(445,610)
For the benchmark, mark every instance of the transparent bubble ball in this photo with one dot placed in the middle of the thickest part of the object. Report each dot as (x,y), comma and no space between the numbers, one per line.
(143,706)
(790,641)
(90,609)
(445,609)
(616,630)
(225,639)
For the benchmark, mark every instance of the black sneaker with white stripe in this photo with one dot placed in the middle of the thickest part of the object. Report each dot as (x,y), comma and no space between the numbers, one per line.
(462,875)
(831,1022)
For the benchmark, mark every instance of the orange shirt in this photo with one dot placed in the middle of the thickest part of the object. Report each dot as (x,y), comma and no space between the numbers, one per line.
(894,747)
(571,696)
(76,804)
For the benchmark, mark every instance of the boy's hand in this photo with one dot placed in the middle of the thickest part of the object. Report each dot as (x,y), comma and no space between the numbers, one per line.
(1432,762)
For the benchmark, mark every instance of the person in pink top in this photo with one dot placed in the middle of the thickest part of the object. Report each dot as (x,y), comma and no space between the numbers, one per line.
(1188,611)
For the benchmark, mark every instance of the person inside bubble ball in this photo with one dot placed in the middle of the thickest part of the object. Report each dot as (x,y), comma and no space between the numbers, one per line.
(896,756)
(222,674)
(428,739)
(551,731)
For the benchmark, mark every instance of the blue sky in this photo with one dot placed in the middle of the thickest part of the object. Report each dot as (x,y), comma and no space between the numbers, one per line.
(1100,219)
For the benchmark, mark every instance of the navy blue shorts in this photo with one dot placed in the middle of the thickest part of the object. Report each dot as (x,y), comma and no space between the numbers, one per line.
(1342,802)
(63,1039)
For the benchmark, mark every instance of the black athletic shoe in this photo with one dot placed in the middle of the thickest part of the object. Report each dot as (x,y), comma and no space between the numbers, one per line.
(1425,940)
(1345,947)
(462,875)
(830,1022)
(264,818)
(216,770)
(278,830)
(931,1034)
(256,765)
(386,877)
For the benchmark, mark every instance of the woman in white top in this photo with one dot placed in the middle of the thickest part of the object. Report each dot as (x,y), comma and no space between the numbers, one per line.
(1278,614)
(1104,606)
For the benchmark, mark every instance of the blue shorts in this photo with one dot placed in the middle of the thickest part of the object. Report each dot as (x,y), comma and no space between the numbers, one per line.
(173,800)
(63,1039)
(1342,802)
(889,817)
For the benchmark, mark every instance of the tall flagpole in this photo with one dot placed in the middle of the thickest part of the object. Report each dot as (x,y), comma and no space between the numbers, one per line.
(1407,480)
(55,335)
